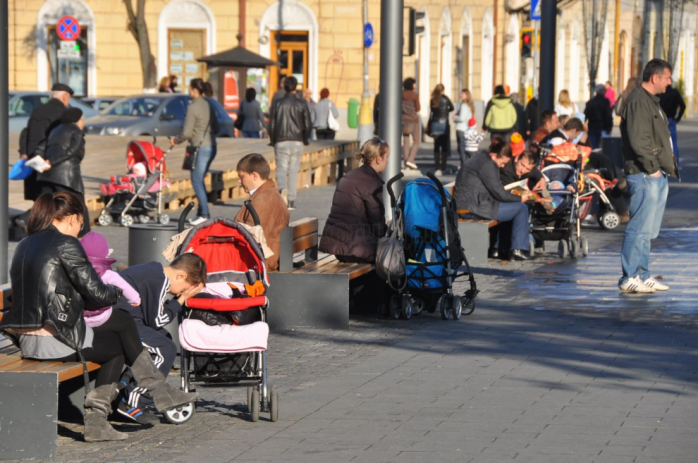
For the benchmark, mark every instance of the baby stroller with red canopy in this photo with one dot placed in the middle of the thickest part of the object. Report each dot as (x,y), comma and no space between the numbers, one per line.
(134,196)
(223,333)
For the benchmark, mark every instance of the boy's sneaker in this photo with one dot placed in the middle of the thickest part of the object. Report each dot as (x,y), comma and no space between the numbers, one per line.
(291,205)
(139,415)
(284,195)
(635,285)
(197,220)
(652,282)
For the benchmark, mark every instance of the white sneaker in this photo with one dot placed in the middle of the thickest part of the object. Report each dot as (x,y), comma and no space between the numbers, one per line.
(197,220)
(438,173)
(652,282)
(284,195)
(635,285)
(411,165)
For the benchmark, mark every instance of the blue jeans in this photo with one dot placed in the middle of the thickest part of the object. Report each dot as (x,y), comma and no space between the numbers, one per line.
(248,134)
(595,138)
(517,214)
(647,201)
(674,138)
(203,161)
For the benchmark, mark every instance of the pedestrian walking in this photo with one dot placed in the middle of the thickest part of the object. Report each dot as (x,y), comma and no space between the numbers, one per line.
(410,123)
(610,94)
(532,116)
(251,113)
(439,127)
(520,114)
(500,117)
(565,106)
(462,117)
(471,140)
(173,85)
(164,86)
(200,128)
(65,150)
(674,107)
(308,97)
(649,159)
(323,114)
(630,86)
(599,116)
(289,130)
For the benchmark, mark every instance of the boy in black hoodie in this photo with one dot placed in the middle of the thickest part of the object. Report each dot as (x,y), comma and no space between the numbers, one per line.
(183,278)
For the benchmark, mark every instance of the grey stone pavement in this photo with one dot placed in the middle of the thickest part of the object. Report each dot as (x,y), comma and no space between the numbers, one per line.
(554,366)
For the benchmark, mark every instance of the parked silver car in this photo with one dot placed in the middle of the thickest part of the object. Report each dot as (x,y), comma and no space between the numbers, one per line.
(23,103)
(99,103)
(154,115)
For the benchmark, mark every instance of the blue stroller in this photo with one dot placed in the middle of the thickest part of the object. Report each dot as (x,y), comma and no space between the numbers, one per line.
(425,221)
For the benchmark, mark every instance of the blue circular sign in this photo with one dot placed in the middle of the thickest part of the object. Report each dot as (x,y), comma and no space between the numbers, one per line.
(368,35)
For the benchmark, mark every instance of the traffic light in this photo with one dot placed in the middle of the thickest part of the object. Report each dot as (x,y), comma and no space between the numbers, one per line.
(526,43)
(414,29)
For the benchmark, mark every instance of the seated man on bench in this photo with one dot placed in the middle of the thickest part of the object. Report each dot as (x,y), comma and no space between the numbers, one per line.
(254,171)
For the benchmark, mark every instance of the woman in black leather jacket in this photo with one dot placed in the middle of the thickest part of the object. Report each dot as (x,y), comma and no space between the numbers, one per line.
(65,150)
(52,283)
(439,127)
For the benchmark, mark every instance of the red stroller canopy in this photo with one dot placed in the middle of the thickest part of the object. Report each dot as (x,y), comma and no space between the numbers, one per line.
(145,152)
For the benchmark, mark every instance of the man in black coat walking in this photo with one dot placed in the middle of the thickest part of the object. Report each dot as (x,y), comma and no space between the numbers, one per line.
(599,115)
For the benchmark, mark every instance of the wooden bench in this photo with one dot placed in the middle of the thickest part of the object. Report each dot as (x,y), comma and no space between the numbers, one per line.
(475,236)
(310,292)
(29,398)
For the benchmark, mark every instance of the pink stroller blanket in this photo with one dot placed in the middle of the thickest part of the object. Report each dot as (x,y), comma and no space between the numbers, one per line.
(197,336)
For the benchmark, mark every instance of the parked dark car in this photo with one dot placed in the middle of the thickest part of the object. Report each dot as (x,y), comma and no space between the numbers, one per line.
(154,115)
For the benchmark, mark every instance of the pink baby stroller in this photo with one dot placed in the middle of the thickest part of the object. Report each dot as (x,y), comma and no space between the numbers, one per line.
(134,196)
(222,332)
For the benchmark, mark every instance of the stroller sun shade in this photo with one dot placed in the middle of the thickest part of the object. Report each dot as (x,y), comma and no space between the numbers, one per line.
(145,152)
(422,208)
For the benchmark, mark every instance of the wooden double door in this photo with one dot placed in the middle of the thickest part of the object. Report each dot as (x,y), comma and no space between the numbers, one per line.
(290,49)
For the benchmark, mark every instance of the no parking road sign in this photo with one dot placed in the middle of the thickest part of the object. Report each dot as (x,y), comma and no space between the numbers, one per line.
(68,28)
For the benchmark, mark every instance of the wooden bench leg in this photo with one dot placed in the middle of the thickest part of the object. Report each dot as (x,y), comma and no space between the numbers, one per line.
(28,414)
(308,300)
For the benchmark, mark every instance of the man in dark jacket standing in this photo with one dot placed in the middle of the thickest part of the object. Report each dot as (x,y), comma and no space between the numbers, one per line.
(289,129)
(43,119)
(599,116)
(649,159)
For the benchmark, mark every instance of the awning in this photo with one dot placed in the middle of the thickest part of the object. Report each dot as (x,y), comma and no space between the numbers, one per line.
(238,57)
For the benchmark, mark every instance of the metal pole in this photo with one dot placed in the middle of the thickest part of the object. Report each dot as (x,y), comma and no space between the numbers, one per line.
(4,141)
(594,51)
(547,57)
(616,48)
(536,55)
(365,114)
(390,117)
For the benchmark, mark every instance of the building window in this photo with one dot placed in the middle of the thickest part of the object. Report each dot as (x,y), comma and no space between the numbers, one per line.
(184,48)
(68,61)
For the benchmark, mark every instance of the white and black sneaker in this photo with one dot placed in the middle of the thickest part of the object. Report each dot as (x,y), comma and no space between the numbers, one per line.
(635,285)
(652,282)
(139,415)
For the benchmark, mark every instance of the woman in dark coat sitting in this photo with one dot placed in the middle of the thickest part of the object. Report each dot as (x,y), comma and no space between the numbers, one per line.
(479,189)
(65,150)
(357,218)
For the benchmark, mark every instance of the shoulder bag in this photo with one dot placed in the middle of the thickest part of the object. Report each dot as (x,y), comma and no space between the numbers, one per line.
(390,258)
(192,152)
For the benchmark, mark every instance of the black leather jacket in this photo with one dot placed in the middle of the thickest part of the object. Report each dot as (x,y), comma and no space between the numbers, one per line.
(290,120)
(440,113)
(52,283)
(65,150)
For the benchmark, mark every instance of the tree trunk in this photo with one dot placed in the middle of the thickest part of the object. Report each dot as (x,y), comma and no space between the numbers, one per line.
(138,28)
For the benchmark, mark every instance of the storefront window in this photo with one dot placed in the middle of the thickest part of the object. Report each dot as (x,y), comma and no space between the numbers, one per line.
(68,61)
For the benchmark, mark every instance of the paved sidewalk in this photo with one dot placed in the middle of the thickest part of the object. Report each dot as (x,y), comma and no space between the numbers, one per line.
(554,366)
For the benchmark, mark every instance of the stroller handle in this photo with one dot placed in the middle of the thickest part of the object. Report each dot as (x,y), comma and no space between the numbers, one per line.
(253,212)
(390,188)
(183,217)
(433,178)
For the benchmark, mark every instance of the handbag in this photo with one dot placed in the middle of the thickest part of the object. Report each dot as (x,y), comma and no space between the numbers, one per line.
(192,152)
(437,129)
(332,122)
(240,119)
(390,259)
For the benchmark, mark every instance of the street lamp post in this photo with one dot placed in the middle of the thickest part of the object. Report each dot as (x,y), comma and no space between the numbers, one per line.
(4,141)
(390,116)
(365,116)
(547,58)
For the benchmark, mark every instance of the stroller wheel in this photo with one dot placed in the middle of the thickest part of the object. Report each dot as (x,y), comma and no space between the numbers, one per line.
(127,220)
(273,405)
(456,307)
(609,220)
(254,404)
(584,244)
(574,247)
(144,218)
(467,305)
(444,305)
(417,306)
(395,306)
(104,219)
(249,398)
(181,414)
(164,219)
(406,306)
(562,249)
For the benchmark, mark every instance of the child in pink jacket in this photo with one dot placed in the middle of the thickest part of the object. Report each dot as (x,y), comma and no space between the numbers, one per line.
(97,250)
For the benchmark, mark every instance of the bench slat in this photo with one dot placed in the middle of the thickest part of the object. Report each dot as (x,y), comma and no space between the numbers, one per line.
(304,227)
(9,350)
(70,370)
(315,265)
(326,267)
(305,242)
(9,359)
(18,365)
(39,366)
(354,269)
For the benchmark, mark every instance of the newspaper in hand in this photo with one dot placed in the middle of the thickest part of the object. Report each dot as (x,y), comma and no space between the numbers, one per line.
(38,163)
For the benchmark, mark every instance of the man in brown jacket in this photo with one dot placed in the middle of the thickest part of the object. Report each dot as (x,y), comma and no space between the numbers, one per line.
(254,171)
